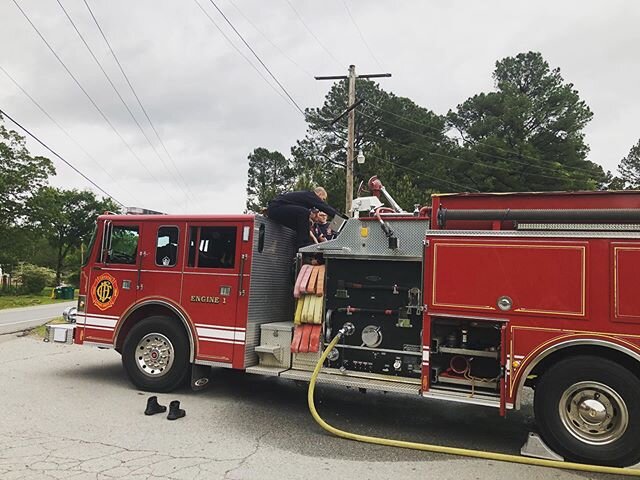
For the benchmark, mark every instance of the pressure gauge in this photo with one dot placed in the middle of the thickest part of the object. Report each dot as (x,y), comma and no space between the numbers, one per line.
(371,336)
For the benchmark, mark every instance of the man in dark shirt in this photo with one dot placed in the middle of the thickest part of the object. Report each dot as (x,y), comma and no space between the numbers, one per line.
(292,210)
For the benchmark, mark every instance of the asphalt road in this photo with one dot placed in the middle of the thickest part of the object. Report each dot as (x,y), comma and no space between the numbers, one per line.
(18,319)
(69,412)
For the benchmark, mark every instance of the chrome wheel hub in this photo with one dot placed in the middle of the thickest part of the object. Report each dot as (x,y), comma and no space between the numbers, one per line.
(594,413)
(154,355)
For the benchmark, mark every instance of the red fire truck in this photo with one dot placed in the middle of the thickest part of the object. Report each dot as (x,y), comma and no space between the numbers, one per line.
(468,301)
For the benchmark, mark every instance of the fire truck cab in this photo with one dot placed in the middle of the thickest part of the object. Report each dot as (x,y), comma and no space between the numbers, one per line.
(468,301)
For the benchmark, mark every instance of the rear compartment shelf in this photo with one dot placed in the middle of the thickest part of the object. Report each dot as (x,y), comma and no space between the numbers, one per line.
(467,351)
(469,382)
(465,357)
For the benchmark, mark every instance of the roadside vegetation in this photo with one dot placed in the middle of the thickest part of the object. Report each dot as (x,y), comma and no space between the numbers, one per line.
(29,300)
(44,231)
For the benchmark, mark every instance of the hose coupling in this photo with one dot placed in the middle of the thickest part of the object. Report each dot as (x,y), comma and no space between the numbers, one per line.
(347,329)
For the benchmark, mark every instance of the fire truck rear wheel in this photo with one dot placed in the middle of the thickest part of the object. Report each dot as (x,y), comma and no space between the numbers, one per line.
(155,354)
(588,410)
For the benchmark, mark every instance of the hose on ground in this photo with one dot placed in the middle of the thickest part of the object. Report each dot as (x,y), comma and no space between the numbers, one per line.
(503,457)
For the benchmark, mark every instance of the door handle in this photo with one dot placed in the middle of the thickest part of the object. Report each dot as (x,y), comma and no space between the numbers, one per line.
(139,284)
(243,259)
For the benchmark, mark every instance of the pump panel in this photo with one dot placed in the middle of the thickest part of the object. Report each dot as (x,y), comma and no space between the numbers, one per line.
(383,302)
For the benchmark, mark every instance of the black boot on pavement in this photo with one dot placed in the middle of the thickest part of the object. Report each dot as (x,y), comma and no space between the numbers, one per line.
(175,411)
(154,407)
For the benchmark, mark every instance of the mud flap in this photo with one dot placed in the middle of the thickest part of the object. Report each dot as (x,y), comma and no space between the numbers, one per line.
(199,376)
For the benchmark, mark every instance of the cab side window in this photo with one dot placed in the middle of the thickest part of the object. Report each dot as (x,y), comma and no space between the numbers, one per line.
(123,245)
(213,247)
(167,246)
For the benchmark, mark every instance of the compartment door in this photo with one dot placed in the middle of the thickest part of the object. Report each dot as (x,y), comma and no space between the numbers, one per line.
(625,261)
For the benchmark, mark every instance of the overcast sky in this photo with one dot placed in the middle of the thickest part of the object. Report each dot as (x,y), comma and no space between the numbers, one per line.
(212,108)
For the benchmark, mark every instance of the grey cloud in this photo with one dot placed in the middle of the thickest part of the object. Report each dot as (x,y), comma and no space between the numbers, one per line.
(212,109)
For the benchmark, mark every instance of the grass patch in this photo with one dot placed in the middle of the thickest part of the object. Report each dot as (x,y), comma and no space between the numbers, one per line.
(41,331)
(44,298)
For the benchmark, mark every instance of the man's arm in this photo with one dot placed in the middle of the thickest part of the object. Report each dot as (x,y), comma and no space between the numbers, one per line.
(316,202)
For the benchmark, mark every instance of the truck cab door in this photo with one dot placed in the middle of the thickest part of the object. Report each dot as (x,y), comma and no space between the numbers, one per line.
(162,260)
(211,287)
(113,279)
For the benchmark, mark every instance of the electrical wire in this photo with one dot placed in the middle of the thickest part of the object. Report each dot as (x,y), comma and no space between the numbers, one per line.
(117,92)
(481,143)
(84,91)
(427,175)
(75,169)
(313,35)
(57,124)
(133,91)
(235,47)
(257,57)
(355,24)
(449,157)
(282,52)
(395,164)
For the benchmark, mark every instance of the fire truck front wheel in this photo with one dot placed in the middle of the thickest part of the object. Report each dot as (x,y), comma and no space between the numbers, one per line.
(588,410)
(155,354)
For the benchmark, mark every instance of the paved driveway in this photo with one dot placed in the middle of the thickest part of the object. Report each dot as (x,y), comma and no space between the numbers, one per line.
(69,412)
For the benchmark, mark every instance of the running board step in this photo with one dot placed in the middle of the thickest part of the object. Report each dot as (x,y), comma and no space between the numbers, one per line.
(345,380)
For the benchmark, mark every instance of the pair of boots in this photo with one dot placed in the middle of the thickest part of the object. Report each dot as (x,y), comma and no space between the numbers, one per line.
(154,407)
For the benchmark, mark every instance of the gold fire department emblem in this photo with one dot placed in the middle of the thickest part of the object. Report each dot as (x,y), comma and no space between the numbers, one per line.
(104,292)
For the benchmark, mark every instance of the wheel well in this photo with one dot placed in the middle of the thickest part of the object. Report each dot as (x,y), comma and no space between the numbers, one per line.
(616,356)
(148,311)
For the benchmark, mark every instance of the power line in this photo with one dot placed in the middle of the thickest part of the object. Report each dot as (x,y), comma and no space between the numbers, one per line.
(428,175)
(284,54)
(235,47)
(2,112)
(313,34)
(346,5)
(41,108)
(113,53)
(395,164)
(77,82)
(258,57)
(482,143)
(115,89)
(487,165)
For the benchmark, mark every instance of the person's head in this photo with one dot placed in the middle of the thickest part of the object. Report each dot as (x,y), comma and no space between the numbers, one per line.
(322,217)
(313,214)
(321,192)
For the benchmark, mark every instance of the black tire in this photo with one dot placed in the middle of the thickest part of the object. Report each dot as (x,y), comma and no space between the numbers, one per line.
(165,338)
(607,393)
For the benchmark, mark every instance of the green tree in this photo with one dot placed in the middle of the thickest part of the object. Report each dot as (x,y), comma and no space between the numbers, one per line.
(528,135)
(67,219)
(629,168)
(270,173)
(21,176)
(403,143)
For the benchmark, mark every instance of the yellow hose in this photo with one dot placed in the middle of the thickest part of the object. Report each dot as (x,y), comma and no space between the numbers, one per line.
(440,449)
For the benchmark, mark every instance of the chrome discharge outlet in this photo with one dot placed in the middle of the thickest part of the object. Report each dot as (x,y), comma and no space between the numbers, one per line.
(347,329)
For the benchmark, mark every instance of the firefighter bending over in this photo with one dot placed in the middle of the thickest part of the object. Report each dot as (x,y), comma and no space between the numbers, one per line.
(292,210)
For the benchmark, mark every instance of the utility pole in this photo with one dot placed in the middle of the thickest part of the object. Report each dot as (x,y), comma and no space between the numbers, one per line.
(351,132)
